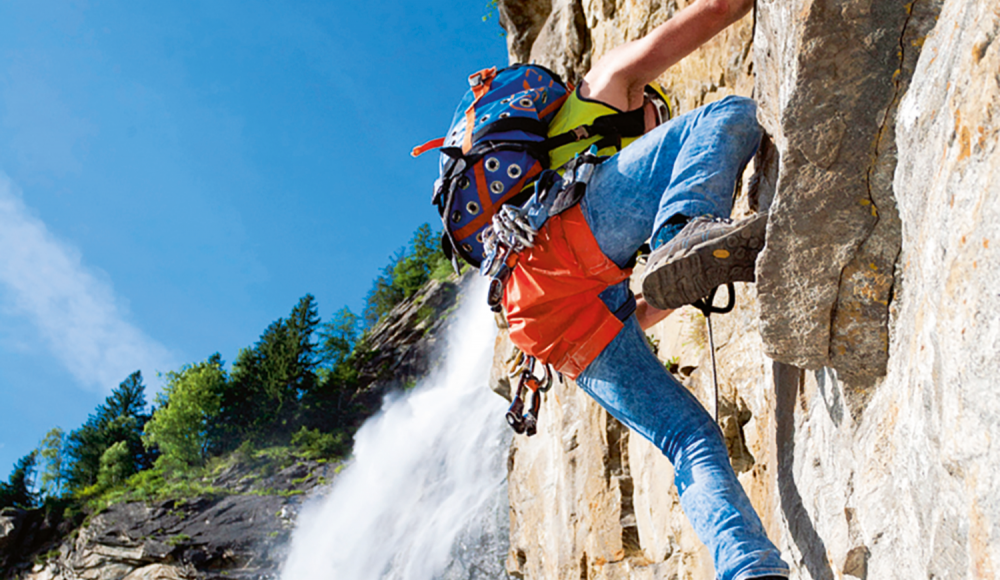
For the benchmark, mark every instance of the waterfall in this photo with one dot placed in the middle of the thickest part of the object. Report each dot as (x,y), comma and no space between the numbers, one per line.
(425,495)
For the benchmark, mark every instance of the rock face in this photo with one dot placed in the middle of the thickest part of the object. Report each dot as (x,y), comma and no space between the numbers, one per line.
(937,410)
(239,533)
(829,80)
(857,377)
(404,345)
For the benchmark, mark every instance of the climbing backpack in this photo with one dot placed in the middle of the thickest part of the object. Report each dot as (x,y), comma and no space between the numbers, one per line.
(498,144)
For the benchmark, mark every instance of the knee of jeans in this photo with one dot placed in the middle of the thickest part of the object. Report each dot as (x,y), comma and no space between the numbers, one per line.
(739,103)
(700,444)
(742,112)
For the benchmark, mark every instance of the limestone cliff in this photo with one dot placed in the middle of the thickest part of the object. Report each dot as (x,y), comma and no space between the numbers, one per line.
(857,374)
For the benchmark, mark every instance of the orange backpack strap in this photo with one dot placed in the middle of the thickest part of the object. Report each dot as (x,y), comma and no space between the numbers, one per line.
(432,144)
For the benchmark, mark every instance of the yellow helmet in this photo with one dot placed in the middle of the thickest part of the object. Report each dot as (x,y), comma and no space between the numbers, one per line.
(661,104)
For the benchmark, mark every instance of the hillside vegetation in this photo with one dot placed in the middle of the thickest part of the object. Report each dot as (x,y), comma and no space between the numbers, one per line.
(294,393)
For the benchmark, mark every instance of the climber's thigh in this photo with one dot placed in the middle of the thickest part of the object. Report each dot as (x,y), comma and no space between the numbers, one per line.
(687,166)
(625,191)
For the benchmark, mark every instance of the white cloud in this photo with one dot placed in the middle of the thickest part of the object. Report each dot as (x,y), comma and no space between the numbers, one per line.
(74,311)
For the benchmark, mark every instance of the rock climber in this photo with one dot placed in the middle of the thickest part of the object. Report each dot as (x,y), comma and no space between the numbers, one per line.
(673,186)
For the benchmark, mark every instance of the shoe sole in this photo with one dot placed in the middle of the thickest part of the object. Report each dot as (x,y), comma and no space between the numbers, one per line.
(692,274)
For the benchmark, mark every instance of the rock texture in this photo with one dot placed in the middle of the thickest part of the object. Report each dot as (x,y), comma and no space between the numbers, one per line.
(938,410)
(404,346)
(858,376)
(829,79)
(238,533)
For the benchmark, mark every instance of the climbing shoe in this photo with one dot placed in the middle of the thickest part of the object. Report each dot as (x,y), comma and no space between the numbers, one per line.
(707,253)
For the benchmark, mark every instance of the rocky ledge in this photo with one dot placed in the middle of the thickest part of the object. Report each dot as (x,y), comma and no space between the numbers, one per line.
(238,531)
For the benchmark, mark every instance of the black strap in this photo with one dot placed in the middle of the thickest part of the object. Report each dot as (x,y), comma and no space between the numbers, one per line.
(627,308)
(579,134)
(628,124)
(483,148)
(707,306)
(525,124)
(614,126)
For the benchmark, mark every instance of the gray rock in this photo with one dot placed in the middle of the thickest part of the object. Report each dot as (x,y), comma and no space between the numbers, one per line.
(406,345)
(522,20)
(829,79)
(563,43)
(157,572)
(10,522)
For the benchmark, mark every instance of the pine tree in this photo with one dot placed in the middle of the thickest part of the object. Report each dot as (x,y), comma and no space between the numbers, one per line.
(121,417)
(262,400)
(52,453)
(116,466)
(16,492)
(329,407)
(406,273)
(338,337)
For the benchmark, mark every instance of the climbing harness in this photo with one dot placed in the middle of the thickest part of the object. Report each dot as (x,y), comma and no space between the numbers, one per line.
(514,228)
(519,421)
(707,307)
(548,280)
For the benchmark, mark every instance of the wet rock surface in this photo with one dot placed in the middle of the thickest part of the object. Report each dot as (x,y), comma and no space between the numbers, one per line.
(406,345)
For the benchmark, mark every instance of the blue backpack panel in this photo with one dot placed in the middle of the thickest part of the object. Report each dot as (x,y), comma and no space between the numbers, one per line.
(493,149)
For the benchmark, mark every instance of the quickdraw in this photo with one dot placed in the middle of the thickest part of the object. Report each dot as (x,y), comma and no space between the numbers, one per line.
(519,421)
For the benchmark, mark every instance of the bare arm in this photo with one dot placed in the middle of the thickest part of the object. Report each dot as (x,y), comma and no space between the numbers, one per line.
(619,77)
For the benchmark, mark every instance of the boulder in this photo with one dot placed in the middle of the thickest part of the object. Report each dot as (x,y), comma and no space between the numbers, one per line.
(10,523)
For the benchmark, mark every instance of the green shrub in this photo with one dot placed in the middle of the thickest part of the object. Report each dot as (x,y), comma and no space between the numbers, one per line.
(314,444)
(178,539)
(116,466)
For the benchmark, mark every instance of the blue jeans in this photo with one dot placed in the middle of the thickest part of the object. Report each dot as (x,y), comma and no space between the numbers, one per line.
(689,166)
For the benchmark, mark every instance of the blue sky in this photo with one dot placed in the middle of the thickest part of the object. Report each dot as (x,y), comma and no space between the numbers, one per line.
(175,175)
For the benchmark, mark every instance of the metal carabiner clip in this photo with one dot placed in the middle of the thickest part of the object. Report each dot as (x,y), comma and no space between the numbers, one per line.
(524,366)
(543,383)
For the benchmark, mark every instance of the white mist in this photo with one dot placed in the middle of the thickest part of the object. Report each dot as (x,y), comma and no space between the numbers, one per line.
(425,495)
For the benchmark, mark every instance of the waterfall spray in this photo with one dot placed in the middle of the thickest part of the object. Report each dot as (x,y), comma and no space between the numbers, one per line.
(425,494)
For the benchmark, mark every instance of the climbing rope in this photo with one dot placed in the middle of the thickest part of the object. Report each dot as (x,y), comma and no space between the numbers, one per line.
(708,307)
